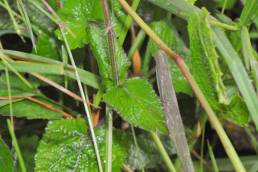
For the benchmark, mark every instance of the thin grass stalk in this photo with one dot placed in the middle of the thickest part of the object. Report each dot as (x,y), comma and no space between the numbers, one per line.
(163,152)
(10,125)
(213,159)
(26,20)
(228,147)
(86,108)
(128,22)
(16,146)
(15,24)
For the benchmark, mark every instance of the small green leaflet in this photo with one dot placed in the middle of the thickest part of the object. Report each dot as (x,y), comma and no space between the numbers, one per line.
(65,147)
(75,14)
(168,34)
(138,104)
(204,60)
(99,46)
(6,159)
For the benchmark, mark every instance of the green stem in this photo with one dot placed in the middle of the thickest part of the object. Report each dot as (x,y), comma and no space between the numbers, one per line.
(163,152)
(223,25)
(86,108)
(16,146)
(137,43)
(127,23)
(109,139)
(233,156)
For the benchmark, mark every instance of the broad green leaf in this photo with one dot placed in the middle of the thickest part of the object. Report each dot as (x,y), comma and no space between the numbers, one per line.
(75,14)
(204,60)
(65,146)
(6,159)
(31,110)
(138,104)
(46,46)
(249,12)
(238,72)
(168,34)
(99,46)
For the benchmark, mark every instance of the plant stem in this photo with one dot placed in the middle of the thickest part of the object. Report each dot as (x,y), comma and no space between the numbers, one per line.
(16,146)
(109,139)
(86,108)
(233,156)
(137,43)
(127,23)
(111,41)
(163,152)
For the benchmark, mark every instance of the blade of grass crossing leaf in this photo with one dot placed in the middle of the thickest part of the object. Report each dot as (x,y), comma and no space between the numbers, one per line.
(84,102)
(231,152)
(16,146)
(7,64)
(213,159)
(239,73)
(9,93)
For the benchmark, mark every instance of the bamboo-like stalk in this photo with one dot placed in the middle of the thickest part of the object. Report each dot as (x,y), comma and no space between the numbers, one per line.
(231,152)
(172,113)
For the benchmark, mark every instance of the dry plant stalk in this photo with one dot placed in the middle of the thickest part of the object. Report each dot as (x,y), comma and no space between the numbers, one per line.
(172,113)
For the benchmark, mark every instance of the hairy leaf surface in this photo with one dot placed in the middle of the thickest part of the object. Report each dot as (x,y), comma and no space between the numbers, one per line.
(204,60)
(99,47)
(66,146)
(137,103)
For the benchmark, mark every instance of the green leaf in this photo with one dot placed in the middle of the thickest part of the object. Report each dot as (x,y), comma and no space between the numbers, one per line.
(249,12)
(99,46)
(28,146)
(31,110)
(75,14)
(170,37)
(204,60)
(65,146)
(238,72)
(137,103)
(237,111)
(6,160)
(46,46)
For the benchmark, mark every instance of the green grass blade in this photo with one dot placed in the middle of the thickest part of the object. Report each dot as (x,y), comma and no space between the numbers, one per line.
(239,73)
(213,159)
(249,12)
(16,146)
